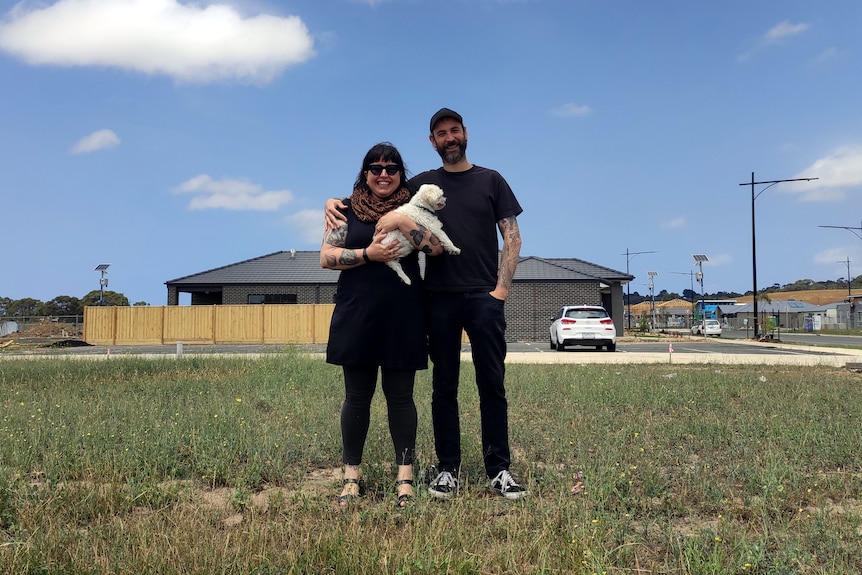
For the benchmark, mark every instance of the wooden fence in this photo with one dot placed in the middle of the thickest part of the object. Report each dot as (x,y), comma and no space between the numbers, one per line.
(160,325)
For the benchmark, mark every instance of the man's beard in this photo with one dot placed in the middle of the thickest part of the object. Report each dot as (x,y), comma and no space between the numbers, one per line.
(453,157)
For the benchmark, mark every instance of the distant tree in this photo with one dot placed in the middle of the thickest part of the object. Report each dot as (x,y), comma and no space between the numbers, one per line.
(140,303)
(636,298)
(62,305)
(799,285)
(111,298)
(23,307)
(667,296)
(725,295)
(4,305)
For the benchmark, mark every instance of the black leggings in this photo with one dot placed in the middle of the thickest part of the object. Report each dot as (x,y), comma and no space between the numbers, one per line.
(359,386)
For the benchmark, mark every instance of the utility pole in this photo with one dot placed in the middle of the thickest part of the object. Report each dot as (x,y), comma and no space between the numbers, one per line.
(753,244)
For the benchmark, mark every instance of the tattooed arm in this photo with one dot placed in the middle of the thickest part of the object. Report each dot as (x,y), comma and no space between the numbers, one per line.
(333,254)
(509,256)
(421,238)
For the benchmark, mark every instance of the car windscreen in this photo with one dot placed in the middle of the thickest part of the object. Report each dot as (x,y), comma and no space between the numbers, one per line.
(586,314)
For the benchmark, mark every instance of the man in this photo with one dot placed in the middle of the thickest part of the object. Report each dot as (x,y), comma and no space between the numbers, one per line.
(467,292)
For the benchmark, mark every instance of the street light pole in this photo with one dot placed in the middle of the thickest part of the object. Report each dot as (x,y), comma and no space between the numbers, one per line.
(699,259)
(849,281)
(753,243)
(849,295)
(103,281)
(629,255)
(652,299)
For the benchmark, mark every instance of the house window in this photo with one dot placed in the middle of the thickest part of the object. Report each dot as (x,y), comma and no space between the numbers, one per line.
(272,298)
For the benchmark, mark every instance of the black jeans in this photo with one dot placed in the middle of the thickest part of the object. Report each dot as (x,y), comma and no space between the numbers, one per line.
(482,316)
(359,386)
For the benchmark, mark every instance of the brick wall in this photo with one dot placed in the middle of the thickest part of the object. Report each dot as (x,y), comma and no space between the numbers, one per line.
(531,306)
(305,294)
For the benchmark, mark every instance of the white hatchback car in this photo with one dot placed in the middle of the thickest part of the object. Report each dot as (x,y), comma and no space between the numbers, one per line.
(583,325)
(708,327)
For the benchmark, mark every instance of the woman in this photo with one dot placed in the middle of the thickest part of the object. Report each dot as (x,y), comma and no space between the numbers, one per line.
(378,320)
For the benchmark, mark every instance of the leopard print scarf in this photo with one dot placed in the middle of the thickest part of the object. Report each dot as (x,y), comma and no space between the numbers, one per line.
(369,208)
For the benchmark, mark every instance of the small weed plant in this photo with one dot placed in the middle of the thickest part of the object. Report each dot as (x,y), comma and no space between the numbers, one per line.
(231,465)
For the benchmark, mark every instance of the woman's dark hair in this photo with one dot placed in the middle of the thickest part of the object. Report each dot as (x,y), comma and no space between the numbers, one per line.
(384,151)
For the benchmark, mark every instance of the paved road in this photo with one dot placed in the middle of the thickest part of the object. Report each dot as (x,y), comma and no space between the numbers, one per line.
(686,349)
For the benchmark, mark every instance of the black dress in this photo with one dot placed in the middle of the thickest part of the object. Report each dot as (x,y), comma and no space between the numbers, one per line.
(378,319)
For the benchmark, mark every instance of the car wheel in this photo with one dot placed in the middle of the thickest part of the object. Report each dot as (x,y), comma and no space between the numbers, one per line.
(612,347)
(551,343)
(560,346)
(598,348)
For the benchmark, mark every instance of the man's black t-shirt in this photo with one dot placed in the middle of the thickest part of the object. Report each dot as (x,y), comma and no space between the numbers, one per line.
(475,201)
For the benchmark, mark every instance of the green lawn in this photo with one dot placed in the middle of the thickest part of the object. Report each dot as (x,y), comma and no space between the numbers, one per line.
(208,465)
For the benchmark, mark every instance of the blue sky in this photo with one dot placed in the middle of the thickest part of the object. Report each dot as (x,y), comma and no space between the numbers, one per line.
(167,138)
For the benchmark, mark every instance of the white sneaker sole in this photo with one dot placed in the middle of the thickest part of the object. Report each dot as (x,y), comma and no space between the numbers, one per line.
(512,496)
(441,494)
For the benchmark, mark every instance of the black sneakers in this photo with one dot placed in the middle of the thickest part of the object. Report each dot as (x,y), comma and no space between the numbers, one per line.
(444,486)
(505,485)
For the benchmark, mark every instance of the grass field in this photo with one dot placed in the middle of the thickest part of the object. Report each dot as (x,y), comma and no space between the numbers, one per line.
(216,465)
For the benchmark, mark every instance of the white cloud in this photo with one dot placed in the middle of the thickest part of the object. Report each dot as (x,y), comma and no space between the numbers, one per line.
(308,224)
(830,256)
(783,30)
(775,35)
(188,42)
(718,260)
(675,223)
(571,110)
(838,172)
(721,259)
(231,195)
(827,55)
(100,140)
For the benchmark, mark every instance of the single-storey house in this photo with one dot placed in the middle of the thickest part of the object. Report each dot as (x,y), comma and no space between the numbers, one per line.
(540,287)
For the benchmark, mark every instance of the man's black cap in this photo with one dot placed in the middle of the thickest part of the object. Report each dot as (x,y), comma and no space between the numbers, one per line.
(445,113)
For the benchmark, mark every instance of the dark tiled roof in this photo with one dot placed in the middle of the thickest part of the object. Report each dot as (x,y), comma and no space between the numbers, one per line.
(285,267)
(303,267)
(532,268)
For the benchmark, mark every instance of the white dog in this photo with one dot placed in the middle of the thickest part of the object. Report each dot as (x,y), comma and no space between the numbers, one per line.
(420,209)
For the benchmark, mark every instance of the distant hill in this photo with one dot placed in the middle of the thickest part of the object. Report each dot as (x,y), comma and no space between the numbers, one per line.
(814,296)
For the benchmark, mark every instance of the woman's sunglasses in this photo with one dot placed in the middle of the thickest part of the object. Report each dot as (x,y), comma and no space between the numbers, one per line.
(390,170)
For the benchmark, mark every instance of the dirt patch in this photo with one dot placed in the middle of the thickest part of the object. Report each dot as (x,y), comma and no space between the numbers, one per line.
(224,500)
(45,330)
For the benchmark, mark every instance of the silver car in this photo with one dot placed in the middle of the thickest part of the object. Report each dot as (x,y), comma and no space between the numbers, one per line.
(583,325)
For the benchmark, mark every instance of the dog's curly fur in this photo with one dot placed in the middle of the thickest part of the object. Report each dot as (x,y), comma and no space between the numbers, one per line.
(421,207)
